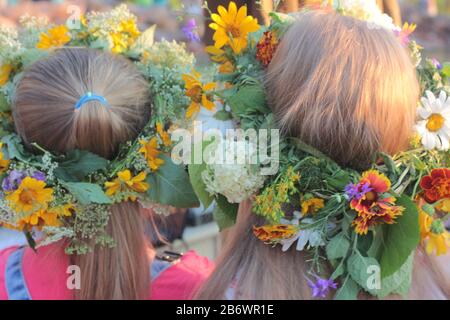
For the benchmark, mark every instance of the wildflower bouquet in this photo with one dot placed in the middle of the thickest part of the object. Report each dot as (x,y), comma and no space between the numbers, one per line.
(69,195)
(364,225)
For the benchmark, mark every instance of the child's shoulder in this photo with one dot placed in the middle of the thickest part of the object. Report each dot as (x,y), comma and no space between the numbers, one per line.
(183,278)
(41,273)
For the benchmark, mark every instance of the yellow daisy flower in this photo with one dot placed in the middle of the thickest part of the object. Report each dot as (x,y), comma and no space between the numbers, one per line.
(232,27)
(219,56)
(4,163)
(165,137)
(55,37)
(31,195)
(151,153)
(5,71)
(125,183)
(438,238)
(312,205)
(198,93)
(125,36)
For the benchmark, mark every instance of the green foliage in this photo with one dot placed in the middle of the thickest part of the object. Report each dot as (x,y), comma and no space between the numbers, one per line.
(348,290)
(225,213)
(87,193)
(337,247)
(400,238)
(358,267)
(78,164)
(170,185)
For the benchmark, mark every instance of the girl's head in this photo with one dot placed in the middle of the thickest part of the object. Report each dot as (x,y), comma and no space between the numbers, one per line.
(343,86)
(348,90)
(44,108)
(44,112)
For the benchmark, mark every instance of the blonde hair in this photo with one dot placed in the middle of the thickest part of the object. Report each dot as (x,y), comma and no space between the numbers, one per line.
(44,112)
(353,88)
(349,91)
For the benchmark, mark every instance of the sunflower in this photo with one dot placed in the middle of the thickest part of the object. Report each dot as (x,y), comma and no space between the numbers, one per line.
(125,183)
(30,196)
(219,56)
(369,198)
(165,137)
(4,163)
(312,205)
(232,27)
(55,37)
(150,151)
(198,93)
(5,71)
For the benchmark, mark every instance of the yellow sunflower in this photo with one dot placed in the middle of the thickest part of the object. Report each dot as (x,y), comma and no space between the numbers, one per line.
(150,151)
(165,137)
(438,242)
(5,71)
(126,183)
(219,56)
(232,27)
(4,163)
(198,93)
(312,205)
(32,195)
(55,37)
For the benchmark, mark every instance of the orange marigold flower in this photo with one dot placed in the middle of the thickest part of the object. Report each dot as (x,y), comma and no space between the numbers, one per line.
(266,47)
(436,186)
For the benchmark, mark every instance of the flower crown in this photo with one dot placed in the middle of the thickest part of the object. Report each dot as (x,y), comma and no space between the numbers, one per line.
(360,223)
(68,196)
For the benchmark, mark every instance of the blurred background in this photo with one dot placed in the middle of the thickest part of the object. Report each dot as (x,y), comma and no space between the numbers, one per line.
(184,20)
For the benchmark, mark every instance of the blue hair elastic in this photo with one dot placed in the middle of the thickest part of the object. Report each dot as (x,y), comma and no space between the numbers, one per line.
(90,97)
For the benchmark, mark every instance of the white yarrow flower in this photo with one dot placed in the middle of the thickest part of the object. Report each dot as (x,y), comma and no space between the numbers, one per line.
(434,123)
(234,179)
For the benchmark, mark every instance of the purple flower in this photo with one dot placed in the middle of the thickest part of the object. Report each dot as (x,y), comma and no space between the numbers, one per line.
(357,191)
(190,31)
(436,64)
(321,287)
(13,180)
(39,175)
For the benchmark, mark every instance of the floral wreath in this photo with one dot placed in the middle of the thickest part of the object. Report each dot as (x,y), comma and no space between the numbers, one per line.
(68,196)
(354,221)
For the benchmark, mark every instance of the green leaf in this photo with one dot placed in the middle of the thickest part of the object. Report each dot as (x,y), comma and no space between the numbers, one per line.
(400,238)
(195,176)
(223,115)
(249,99)
(311,150)
(397,283)
(446,69)
(170,185)
(226,213)
(87,193)
(337,247)
(360,267)
(4,105)
(15,148)
(348,291)
(339,271)
(78,164)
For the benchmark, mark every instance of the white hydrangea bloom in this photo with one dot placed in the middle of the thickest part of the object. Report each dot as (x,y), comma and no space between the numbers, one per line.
(434,123)
(366,10)
(101,24)
(231,177)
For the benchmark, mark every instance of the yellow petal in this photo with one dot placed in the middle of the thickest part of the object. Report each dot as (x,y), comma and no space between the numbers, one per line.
(242,13)
(124,175)
(207,104)
(209,86)
(232,10)
(193,109)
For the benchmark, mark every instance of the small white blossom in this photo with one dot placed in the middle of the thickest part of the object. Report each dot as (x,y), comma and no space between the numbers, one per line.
(434,123)
(235,180)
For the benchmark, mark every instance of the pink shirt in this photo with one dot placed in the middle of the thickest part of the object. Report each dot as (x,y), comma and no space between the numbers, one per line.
(45,275)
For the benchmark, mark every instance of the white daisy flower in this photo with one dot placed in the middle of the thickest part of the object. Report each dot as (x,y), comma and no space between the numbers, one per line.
(434,123)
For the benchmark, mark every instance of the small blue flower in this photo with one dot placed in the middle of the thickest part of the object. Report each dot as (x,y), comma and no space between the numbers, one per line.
(321,287)
(13,180)
(357,191)
(190,31)
(39,175)
(436,63)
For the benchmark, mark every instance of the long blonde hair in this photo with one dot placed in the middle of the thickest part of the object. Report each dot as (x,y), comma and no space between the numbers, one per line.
(44,112)
(347,90)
